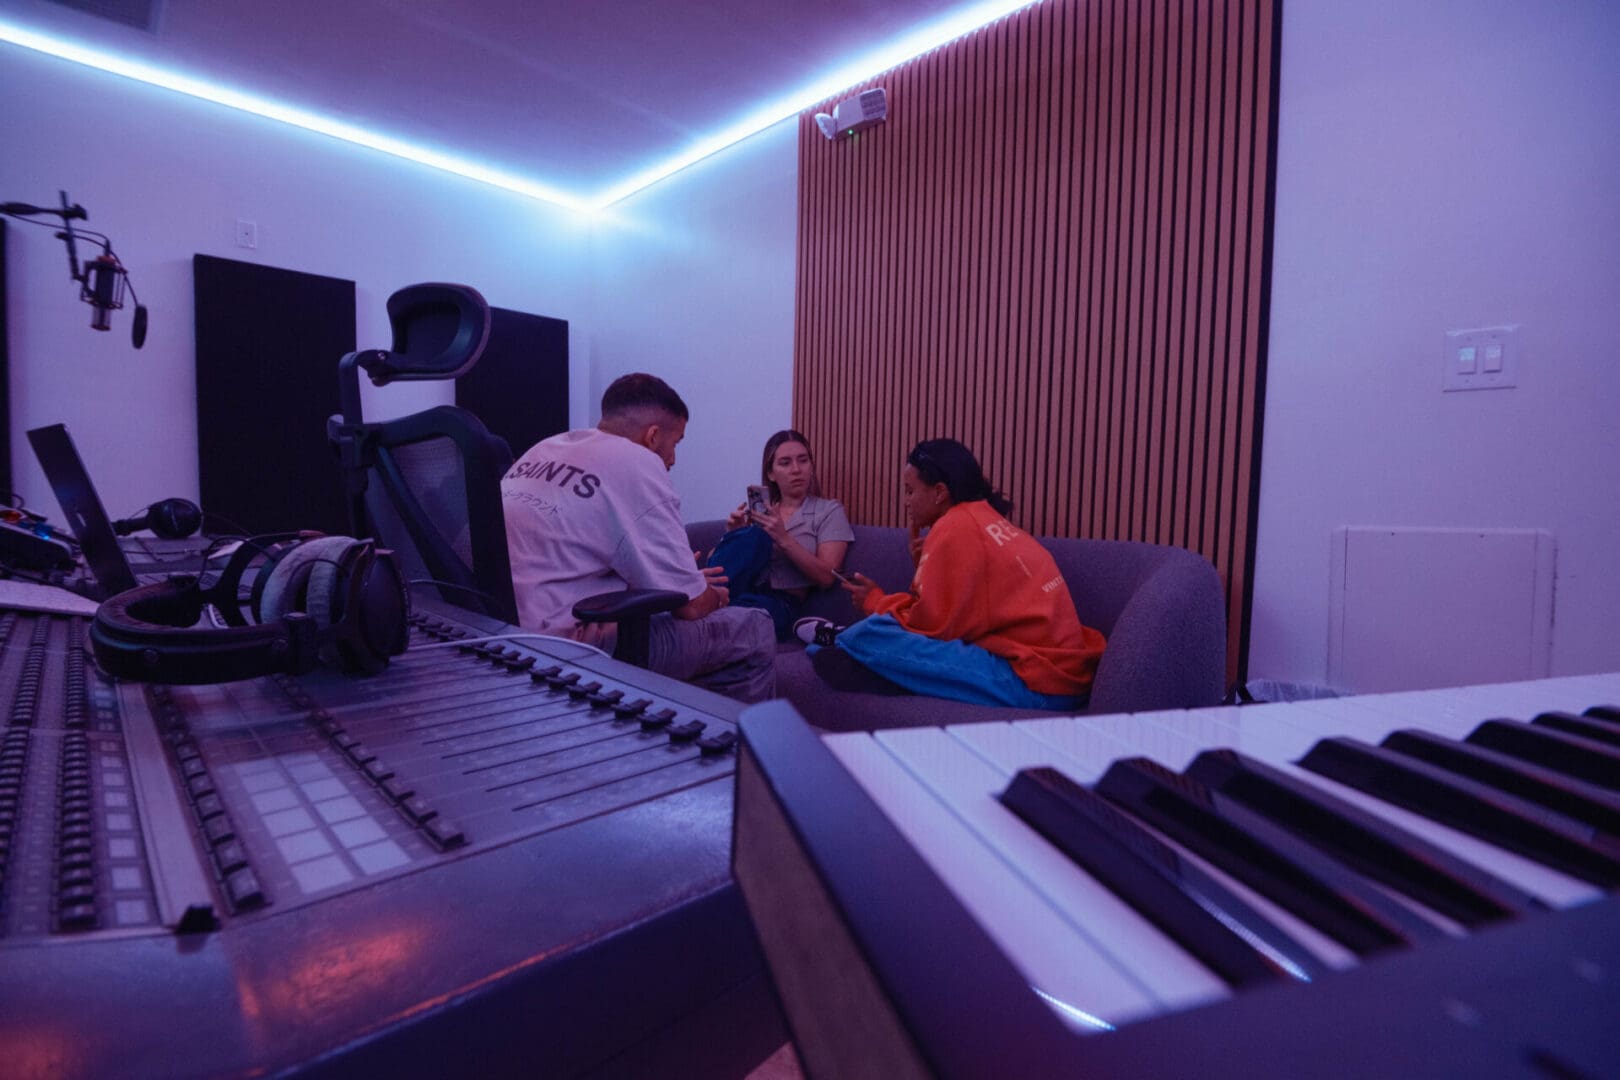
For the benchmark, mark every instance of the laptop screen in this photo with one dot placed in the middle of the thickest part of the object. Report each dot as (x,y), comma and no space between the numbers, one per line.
(86,517)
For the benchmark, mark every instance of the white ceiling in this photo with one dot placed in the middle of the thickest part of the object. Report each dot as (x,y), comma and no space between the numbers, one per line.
(574,96)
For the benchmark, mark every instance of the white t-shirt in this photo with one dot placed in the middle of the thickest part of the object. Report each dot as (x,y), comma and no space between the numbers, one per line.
(587,513)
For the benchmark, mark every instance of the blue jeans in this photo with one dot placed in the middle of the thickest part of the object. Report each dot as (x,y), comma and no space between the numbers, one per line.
(954,670)
(745,555)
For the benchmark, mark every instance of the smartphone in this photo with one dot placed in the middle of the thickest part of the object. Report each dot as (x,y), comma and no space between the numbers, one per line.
(841,577)
(759,499)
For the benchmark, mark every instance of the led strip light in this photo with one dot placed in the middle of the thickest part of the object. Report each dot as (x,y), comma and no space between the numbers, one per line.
(911,45)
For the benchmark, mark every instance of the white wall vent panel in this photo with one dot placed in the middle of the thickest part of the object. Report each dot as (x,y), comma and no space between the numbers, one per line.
(1415,608)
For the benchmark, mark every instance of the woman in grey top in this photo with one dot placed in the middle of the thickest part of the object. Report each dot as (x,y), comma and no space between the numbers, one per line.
(776,557)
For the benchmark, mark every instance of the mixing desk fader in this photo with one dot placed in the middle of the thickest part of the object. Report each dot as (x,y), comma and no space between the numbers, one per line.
(505,851)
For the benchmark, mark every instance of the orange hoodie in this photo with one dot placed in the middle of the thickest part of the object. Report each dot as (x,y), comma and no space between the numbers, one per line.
(984,582)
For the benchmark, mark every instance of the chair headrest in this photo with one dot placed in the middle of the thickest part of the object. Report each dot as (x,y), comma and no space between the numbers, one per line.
(440,331)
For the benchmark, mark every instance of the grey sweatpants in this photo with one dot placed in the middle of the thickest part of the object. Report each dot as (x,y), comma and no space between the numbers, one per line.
(731,651)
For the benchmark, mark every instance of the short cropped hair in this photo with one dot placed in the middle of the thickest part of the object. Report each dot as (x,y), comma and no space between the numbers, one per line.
(642,391)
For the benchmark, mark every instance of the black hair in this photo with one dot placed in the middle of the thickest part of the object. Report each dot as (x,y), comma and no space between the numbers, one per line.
(641,391)
(948,462)
(772,445)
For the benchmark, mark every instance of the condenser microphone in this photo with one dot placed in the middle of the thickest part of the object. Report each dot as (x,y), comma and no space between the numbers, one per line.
(103,289)
(169,519)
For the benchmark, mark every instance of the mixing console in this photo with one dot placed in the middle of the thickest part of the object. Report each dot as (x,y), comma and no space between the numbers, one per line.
(327,871)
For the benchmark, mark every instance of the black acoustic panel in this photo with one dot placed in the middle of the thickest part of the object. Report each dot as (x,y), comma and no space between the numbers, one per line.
(268,345)
(519,387)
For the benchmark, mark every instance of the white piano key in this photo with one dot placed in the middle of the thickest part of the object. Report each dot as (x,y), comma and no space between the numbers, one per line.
(1455,711)
(969,784)
(1172,739)
(1360,719)
(1037,939)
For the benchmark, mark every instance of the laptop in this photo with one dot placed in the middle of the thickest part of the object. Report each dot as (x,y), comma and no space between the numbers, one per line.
(86,517)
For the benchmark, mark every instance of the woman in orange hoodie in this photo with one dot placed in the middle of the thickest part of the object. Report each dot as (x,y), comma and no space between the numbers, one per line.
(988,618)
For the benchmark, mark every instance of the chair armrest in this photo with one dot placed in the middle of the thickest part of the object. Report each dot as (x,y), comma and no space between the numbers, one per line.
(627,604)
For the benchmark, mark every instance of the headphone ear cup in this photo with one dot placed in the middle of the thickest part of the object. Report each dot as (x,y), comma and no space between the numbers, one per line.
(273,554)
(325,593)
(383,621)
(288,587)
(360,592)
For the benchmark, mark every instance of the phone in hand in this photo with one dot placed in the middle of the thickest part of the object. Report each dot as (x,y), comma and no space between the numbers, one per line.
(759,499)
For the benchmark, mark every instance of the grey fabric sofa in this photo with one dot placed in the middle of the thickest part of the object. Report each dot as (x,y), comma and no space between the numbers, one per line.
(1161,608)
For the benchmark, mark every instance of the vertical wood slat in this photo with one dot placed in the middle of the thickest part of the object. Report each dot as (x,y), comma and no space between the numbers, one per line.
(1055,250)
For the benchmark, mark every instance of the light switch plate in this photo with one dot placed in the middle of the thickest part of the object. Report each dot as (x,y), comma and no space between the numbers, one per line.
(1464,365)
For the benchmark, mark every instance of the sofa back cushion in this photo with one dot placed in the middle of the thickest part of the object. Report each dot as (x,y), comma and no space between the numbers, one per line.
(1102,575)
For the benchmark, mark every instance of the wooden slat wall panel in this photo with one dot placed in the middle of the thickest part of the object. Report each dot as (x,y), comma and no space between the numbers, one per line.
(1056,250)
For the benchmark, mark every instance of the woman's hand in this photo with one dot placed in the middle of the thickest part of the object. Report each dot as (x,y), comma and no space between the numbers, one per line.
(737,518)
(859,587)
(773,525)
(915,544)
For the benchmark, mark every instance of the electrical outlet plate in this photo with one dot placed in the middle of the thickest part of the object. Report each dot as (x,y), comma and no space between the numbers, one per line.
(1483,359)
(247,233)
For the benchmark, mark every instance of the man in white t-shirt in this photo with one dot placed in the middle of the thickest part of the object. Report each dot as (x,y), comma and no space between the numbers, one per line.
(593,511)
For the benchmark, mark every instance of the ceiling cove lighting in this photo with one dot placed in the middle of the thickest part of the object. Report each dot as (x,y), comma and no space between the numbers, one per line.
(914,43)
(909,46)
(286,114)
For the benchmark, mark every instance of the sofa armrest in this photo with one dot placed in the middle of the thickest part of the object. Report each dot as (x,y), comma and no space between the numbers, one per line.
(703,535)
(1167,649)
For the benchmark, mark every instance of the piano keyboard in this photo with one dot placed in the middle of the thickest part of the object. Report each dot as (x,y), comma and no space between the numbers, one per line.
(1396,883)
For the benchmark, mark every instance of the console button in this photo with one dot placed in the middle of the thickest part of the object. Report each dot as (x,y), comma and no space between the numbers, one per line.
(244,890)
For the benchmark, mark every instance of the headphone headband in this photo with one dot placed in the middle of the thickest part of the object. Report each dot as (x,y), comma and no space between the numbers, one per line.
(354,611)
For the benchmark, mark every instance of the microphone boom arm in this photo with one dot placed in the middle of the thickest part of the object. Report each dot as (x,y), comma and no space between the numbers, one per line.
(68,215)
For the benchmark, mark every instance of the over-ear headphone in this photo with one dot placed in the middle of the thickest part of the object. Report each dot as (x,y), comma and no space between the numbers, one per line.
(170,519)
(315,599)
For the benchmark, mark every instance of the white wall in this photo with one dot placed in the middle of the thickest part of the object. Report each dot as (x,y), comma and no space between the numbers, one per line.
(693,281)
(167,176)
(1442,165)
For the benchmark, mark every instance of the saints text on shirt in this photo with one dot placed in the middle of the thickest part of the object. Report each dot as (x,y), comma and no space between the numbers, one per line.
(561,473)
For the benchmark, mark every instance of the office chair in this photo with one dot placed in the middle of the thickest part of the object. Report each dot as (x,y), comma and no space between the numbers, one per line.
(436,499)
(428,485)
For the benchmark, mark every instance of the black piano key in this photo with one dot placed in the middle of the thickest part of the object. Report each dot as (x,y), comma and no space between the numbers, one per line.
(1611,713)
(1270,860)
(1192,908)
(1584,726)
(1365,842)
(1596,806)
(1469,806)
(1570,754)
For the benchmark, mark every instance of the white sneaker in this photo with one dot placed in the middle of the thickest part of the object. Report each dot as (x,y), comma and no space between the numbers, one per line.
(814,630)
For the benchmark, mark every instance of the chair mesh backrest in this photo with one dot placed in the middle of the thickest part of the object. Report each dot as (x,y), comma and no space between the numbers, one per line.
(433,471)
